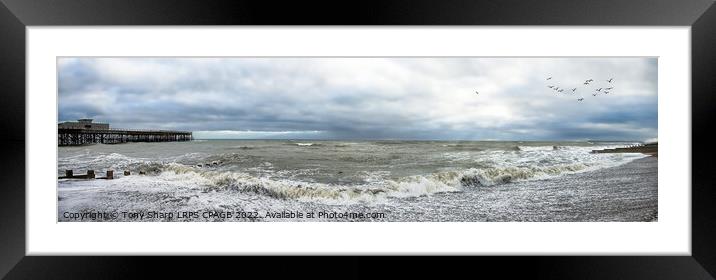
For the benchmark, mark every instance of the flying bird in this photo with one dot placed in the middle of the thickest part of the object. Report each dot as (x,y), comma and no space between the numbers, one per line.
(549,78)
(550,86)
(610,80)
(590,80)
(580,99)
(574,89)
(586,83)
(477,92)
(606,92)
(599,89)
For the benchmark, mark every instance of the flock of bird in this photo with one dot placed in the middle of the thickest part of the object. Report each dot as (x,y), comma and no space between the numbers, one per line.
(597,91)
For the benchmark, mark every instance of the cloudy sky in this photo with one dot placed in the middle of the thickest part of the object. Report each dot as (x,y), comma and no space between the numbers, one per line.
(366,98)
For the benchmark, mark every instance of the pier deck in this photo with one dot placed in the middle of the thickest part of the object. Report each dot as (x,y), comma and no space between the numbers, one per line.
(75,137)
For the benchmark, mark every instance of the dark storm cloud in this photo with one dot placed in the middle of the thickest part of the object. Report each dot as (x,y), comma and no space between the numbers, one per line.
(367,98)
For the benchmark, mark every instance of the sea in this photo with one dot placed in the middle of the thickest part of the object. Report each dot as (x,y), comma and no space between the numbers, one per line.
(354,180)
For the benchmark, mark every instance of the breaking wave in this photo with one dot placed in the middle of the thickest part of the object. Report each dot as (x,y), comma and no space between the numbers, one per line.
(536,148)
(494,167)
(376,191)
(306,144)
(496,176)
(305,191)
(243,147)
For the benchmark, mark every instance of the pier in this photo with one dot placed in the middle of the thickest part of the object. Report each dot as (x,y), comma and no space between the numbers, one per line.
(85,132)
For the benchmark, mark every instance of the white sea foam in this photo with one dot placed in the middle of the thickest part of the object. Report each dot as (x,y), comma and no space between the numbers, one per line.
(488,168)
(376,191)
(536,148)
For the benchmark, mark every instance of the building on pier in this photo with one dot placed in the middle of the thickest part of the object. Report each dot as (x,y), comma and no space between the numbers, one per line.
(83,124)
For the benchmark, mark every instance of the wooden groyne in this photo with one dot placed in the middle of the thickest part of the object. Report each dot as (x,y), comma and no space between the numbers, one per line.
(76,137)
(650,149)
(70,174)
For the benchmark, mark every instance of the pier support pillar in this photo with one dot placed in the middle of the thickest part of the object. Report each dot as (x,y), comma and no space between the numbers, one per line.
(90,174)
(110,174)
(68,173)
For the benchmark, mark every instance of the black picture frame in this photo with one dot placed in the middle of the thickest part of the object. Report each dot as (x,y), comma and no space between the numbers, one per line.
(16,15)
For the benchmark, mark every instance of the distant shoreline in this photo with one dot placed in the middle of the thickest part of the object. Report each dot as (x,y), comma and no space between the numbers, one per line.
(651,149)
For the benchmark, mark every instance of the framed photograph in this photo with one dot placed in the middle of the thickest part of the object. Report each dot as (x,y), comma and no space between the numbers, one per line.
(390,128)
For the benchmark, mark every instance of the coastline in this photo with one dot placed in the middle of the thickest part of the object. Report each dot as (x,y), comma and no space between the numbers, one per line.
(651,149)
(627,192)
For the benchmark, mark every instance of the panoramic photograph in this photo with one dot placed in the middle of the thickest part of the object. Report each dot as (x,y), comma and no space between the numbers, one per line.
(357,139)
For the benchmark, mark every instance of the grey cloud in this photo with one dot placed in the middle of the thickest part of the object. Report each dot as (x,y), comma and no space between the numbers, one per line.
(368,98)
